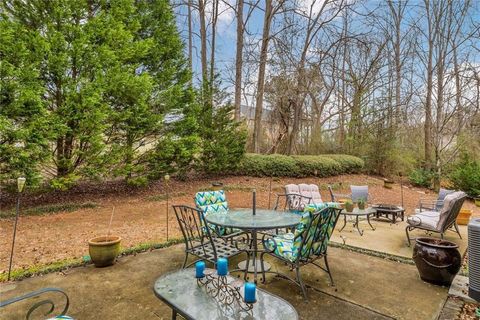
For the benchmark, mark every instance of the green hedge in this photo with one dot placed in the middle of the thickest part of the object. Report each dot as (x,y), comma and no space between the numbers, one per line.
(277,165)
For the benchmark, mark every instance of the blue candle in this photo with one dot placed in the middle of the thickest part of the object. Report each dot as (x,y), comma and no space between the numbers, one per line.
(250,289)
(222,266)
(199,268)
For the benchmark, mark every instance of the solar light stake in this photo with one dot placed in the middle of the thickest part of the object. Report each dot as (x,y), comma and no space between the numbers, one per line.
(254,201)
(20,186)
(401,187)
(167,178)
(269,192)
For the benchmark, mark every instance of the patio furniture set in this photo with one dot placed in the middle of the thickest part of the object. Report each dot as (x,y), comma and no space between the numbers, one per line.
(296,232)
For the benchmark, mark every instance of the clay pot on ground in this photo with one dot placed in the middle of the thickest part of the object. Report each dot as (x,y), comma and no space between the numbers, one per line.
(103,250)
(387,183)
(437,261)
(464,217)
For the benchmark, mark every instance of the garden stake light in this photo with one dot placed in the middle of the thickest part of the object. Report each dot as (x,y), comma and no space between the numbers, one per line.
(20,185)
(167,178)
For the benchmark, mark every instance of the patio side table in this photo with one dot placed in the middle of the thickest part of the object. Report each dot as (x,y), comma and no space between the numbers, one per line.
(357,213)
(263,220)
(180,291)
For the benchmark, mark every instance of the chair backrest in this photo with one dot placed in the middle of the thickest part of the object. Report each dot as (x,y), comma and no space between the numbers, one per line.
(359,192)
(312,234)
(211,201)
(451,208)
(192,224)
(311,191)
(292,189)
(442,193)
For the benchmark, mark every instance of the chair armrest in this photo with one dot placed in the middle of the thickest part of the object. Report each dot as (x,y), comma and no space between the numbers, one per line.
(37,304)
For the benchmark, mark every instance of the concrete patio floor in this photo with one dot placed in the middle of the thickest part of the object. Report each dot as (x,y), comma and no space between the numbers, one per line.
(366,288)
(389,238)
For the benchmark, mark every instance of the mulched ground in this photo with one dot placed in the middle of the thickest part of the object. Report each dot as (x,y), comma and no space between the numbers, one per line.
(141,214)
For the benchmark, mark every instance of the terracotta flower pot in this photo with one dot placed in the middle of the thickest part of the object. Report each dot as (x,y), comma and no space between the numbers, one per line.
(103,250)
(361,205)
(437,261)
(464,217)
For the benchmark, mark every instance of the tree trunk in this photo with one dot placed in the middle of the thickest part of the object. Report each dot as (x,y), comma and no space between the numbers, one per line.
(261,75)
(239,60)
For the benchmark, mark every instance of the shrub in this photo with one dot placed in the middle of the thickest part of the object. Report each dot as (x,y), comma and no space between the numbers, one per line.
(466,176)
(277,165)
(421,177)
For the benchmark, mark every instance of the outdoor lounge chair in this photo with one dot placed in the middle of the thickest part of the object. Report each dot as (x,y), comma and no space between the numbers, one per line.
(308,243)
(48,301)
(198,239)
(438,221)
(357,193)
(297,197)
(434,204)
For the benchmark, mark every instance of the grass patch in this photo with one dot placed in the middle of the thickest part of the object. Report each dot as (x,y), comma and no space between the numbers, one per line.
(377,254)
(163,197)
(50,209)
(61,265)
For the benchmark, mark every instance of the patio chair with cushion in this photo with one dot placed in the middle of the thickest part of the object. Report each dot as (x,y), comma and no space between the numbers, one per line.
(47,301)
(215,201)
(198,239)
(305,245)
(438,221)
(426,204)
(297,197)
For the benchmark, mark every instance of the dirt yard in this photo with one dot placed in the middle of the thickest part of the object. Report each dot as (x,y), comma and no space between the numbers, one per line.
(141,217)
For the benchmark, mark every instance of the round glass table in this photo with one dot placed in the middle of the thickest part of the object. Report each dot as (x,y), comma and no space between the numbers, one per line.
(245,219)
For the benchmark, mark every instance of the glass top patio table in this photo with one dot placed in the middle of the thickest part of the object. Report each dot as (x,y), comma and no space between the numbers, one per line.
(181,292)
(262,220)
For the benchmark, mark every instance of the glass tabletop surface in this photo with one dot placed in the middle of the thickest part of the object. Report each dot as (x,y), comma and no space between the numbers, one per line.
(359,212)
(180,291)
(263,219)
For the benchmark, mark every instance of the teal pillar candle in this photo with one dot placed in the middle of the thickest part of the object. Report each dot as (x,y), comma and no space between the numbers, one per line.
(222,267)
(199,269)
(250,292)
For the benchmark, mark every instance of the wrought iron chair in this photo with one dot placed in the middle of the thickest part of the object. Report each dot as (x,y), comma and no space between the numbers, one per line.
(438,221)
(215,202)
(298,197)
(198,239)
(308,243)
(426,204)
(47,301)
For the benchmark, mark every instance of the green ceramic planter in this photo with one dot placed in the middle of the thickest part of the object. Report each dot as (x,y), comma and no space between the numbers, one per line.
(103,250)
(477,202)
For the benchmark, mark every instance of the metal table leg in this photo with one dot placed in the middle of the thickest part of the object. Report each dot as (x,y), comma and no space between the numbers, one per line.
(174,314)
(344,222)
(356,224)
(368,219)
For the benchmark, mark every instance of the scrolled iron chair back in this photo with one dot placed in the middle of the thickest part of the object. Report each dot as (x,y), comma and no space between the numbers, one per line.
(316,234)
(193,226)
(38,304)
(293,202)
